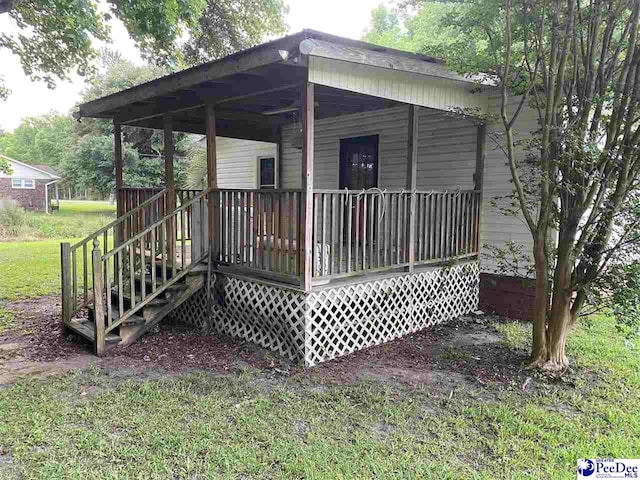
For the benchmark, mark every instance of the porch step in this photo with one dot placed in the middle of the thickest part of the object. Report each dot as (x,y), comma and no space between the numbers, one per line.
(132,320)
(87,329)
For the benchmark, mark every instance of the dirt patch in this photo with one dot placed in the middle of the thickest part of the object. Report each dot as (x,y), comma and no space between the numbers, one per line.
(465,355)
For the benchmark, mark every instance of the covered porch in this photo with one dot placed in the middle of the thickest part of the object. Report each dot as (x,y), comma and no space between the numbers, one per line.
(357,239)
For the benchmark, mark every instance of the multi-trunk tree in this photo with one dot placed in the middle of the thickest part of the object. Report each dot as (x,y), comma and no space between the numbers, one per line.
(575,180)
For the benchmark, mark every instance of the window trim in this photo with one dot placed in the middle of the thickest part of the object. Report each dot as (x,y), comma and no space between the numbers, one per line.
(23,185)
(275,171)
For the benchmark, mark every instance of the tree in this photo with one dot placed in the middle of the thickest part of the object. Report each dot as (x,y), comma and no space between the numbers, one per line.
(576,179)
(41,140)
(56,37)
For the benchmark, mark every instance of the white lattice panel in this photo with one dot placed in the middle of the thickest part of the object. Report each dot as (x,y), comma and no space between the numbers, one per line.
(332,322)
(269,316)
(344,319)
(193,311)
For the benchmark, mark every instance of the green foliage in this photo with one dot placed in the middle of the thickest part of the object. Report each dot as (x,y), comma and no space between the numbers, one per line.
(74,219)
(625,297)
(7,319)
(226,27)
(56,37)
(44,140)
(14,220)
(5,166)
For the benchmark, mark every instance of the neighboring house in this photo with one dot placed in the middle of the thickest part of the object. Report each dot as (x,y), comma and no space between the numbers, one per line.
(347,204)
(30,186)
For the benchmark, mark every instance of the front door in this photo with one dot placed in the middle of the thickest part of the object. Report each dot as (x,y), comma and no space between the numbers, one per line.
(359,162)
(359,171)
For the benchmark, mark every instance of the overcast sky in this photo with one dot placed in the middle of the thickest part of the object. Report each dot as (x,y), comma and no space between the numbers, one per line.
(34,98)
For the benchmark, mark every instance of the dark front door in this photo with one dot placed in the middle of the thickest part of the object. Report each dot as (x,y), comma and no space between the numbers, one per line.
(359,162)
(358,171)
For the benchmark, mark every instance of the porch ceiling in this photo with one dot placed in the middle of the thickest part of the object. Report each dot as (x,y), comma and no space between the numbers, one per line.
(248,87)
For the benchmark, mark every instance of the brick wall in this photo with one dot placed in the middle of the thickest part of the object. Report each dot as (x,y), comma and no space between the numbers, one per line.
(509,296)
(30,199)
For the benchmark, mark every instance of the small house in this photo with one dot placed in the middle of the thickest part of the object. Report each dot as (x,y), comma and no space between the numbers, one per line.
(32,187)
(364,219)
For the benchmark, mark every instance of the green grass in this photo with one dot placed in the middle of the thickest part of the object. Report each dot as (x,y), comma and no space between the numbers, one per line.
(91,425)
(32,269)
(29,269)
(74,219)
(7,319)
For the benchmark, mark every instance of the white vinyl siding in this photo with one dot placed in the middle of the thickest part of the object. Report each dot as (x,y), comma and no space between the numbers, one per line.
(23,183)
(498,228)
(406,87)
(446,149)
(238,161)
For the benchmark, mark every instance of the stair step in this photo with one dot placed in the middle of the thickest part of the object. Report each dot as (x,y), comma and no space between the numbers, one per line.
(127,298)
(87,329)
(132,320)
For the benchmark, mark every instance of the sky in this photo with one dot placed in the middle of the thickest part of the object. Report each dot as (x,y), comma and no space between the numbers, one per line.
(34,98)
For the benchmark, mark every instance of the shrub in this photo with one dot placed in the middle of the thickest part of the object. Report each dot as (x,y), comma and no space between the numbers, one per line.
(14,220)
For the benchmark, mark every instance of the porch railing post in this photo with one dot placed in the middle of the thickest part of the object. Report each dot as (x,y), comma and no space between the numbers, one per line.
(307,185)
(412,171)
(213,210)
(65,274)
(98,301)
(170,183)
(479,183)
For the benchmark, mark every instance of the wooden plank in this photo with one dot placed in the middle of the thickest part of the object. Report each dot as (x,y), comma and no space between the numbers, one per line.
(98,301)
(117,160)
(412,173)
(65,271)
(212,181)
(170,181)
(307,183)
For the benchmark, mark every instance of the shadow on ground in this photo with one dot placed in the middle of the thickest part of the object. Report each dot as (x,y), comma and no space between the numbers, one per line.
(467,355)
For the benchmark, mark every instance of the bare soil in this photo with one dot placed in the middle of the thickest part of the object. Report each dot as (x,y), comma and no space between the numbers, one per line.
(466,354)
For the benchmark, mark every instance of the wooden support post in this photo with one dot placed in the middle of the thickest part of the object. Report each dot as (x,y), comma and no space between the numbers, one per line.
(212,182)
(306,226)
(98,300)
(171,186)
(65,274)
(412,173)
(478,178)
(117,160)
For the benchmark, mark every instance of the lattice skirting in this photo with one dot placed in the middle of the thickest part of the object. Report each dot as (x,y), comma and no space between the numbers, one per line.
(347,318)
(334,321)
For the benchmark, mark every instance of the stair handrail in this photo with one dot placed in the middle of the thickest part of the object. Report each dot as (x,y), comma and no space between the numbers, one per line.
(120,219)
(69,262)
(103,269)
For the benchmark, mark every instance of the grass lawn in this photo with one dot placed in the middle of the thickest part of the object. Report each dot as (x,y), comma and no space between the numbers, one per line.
(31,268)
(254,425)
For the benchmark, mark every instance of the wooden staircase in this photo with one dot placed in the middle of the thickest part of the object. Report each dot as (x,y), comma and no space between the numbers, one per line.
(124,288)
(147,317)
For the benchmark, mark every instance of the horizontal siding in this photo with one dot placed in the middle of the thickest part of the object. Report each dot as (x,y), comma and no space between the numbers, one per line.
(238,161)
(498,228)
(406,87)
(446,149)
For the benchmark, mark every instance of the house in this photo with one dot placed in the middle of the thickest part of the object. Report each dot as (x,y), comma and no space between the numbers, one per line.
(365,221)
(30,186)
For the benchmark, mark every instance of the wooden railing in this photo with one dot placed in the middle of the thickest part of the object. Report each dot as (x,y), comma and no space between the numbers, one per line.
(367,231)
(77,279)
(259,230)
(139,269)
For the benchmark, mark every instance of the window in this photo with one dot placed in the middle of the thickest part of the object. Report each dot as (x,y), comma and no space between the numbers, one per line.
(267,173)
(359,162)
(23,183)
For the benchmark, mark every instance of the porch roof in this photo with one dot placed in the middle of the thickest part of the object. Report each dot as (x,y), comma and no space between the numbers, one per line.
(255,91)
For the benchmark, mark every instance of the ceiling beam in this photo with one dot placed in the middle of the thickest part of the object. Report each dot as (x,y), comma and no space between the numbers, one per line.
(193,99)
(266,54)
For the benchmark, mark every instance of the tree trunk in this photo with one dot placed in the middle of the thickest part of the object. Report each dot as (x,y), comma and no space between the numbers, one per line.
(539,347)
(559,325)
